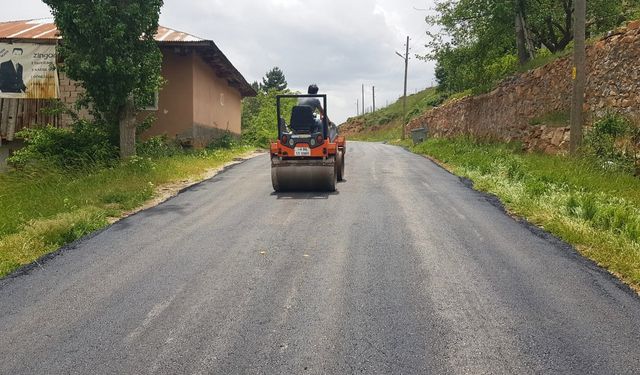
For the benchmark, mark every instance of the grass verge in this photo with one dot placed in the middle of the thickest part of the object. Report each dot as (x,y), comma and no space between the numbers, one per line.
(577,200)
(46,208)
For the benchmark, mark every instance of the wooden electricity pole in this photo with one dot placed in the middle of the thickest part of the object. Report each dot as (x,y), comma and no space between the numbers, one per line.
(579,76)
(404,97)
(363,110)
(373,96)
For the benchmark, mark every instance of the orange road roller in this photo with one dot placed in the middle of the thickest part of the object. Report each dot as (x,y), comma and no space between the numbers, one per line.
(309,154)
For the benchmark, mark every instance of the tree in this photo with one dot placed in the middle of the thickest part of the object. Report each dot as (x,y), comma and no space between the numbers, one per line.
(524,45)
(259,118)
(274,80)
(109,47)
(478,40)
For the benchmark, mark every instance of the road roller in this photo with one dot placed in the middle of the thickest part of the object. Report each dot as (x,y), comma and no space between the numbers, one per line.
(308,154)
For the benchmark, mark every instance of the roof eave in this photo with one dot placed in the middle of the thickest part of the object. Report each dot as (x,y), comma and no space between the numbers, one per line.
(230,73)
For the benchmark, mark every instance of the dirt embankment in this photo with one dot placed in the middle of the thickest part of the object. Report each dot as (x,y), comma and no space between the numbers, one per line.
(352,126)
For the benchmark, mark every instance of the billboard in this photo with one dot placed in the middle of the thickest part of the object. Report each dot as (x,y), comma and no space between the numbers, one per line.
(27,71)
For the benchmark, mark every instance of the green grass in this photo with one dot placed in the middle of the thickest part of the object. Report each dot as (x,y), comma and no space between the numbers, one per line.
(417,104)
(379,133)
(596,210)
(543,59)
(554,119)
(385,123)
(45,209)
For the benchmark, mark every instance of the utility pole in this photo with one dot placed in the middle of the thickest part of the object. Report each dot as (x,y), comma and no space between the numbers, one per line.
(579,76)
(363,110)
(358,107)
(374,98)
(404,98)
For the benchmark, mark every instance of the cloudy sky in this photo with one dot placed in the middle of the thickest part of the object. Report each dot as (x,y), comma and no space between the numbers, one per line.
(338,44)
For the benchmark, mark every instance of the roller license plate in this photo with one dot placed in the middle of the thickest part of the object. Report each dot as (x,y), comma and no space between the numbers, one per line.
(302,151)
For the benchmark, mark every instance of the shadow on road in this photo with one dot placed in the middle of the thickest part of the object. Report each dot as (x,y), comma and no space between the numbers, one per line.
(305,195)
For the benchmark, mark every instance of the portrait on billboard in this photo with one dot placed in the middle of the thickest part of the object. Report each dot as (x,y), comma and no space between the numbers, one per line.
(28,71)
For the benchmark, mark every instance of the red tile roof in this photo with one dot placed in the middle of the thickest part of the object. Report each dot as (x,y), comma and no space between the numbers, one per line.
(45,29)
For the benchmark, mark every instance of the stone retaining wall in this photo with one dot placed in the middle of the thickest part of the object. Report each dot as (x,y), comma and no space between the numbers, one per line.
(509,112)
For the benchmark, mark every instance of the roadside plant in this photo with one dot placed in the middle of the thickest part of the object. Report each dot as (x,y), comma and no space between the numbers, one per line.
(613,142)
(226,141)
(159,146)
(84,145)
(259,118)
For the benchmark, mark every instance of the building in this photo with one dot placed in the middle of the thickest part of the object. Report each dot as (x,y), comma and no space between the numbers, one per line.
(201,98)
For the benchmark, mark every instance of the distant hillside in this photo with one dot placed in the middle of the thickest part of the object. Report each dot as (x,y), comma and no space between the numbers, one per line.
(385,123)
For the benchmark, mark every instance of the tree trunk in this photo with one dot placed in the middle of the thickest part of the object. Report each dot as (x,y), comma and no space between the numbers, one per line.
(128,130)
(523,56)
(525,47)
(528,41)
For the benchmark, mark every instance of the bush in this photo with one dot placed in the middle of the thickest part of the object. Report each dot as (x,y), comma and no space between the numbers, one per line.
(159,146)
(435,100)
(226,141)
(613,141)
(82,145)
(259,118)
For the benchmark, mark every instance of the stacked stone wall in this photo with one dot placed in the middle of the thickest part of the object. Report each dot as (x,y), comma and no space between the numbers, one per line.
(512,111)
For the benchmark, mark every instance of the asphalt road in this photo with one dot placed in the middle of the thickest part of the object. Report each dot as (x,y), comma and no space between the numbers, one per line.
(404,270)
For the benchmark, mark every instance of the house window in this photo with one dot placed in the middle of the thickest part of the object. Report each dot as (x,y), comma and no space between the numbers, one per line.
(152,103)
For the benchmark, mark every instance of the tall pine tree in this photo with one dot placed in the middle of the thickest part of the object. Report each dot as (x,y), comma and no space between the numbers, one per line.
(274,80)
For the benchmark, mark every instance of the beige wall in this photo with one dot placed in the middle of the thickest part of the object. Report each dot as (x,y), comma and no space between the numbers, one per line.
(216,104)
(174,116)
(194,105)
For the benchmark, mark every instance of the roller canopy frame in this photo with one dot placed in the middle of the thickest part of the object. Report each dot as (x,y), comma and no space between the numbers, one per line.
(325,121)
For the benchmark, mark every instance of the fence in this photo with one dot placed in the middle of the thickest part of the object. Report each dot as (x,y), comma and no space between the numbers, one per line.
(17,114)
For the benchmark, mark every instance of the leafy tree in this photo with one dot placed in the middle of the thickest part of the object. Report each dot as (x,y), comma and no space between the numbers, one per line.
(109,46)
(481,41)
(259,118)
(259,124)
(274,80)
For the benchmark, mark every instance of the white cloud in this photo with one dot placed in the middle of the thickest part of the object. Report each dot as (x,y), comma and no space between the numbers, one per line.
(338,44)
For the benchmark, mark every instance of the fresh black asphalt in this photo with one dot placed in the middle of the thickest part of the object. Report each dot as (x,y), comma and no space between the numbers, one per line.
(404,270)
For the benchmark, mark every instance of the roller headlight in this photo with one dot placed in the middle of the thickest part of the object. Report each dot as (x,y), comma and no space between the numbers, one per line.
(291,142)
(313,142)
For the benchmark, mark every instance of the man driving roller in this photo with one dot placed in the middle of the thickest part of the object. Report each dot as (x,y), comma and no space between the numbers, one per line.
(315,104)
